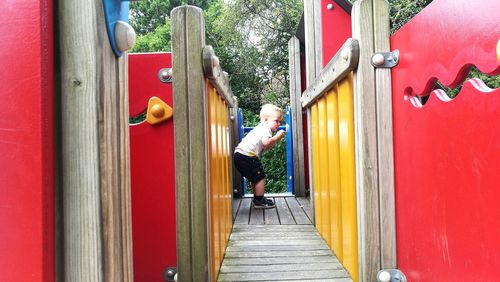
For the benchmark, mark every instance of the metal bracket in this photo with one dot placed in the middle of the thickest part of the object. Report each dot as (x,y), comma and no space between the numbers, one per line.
(385,59)
(165,75)
(170,274)
(391,275)
(120,34)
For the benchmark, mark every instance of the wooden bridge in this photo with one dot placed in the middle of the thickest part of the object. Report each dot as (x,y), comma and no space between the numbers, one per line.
(279,244)
(382,160)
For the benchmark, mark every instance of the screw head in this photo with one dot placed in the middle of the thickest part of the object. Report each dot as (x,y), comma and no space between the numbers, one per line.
(378,59)
(165,74)
(384,276)
(329,6)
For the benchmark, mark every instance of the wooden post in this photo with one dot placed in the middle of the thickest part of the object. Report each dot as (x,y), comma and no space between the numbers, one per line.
(385,138)
(237,188)
(95,148)
(314,55)
(296,105)
(313,42)
(365,118)
(191,149)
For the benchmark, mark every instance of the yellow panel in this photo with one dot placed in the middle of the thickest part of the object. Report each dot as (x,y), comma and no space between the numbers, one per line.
(219,175)
(315,167)
(334,172)
(223,182)
(324,171)
(348,176)
(214,236)
(228,191)
(220,192)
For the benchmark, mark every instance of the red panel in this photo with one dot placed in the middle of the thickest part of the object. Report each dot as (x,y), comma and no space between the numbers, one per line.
(152,172)
(335,29)
(26,141)
(447,154)
(444,39)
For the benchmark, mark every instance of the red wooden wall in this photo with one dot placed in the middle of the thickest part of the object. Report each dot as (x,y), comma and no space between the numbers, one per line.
(447,154)
(152,171)
(335,28)
(26,141)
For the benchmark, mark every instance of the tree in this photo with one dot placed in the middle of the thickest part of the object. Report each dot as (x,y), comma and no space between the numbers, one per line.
(401,11)
(146,16)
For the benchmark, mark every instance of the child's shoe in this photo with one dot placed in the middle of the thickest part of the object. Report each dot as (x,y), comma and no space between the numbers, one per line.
(263,204)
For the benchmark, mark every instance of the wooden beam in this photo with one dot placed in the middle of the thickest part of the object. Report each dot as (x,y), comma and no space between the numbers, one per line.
(344,61)
(218,78)
(366,144)
(313,42)
(190,137)
(297,129)
(385,138)
(95,148)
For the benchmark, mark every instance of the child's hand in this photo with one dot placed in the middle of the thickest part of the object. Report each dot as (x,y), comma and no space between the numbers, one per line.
(280,133)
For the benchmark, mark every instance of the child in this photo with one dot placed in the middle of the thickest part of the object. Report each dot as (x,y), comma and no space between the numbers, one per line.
(247,153)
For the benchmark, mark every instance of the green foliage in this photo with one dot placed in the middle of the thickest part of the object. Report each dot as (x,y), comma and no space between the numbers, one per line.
(158,40)
(274,163)
(147,15)
(490,81)
(402,11)
(251,40)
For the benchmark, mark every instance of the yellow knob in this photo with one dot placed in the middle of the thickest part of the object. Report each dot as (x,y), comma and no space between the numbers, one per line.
(157,111)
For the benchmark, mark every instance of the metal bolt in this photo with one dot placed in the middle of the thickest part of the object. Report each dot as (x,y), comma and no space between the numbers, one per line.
(329,6)
(378,59)
(384,276)
(166,73)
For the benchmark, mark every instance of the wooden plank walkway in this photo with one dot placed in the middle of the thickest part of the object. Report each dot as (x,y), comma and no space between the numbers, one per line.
(278,244)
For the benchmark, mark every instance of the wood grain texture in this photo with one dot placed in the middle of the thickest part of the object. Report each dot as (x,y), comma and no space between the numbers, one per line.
(190,135)
(344,61)
(286,216)
(299,184)
(366,144)
(385,138)
(237,187)
(288,211)
(218,78)
(313,49)
(279,253)
(95,154)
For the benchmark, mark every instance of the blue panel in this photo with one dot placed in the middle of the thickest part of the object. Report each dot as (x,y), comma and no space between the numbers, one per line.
(240,136)
(289,151)
(115,10)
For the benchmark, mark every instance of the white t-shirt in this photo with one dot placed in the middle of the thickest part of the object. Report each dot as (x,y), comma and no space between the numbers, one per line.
(251,145)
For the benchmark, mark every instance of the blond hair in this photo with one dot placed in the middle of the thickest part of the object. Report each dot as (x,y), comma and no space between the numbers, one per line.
(269,109)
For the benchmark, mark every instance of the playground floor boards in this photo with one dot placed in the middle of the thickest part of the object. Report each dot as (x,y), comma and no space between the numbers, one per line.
(278,244)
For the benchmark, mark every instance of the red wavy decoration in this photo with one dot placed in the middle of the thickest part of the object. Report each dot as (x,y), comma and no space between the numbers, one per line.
(443,41)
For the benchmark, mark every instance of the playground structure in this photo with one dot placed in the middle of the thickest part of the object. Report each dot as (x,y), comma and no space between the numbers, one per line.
(396,185)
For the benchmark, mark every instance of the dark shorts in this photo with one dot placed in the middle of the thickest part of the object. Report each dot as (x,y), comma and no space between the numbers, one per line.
(249,167)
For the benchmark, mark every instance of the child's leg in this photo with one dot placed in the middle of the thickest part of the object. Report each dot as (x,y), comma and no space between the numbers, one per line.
(258,187)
